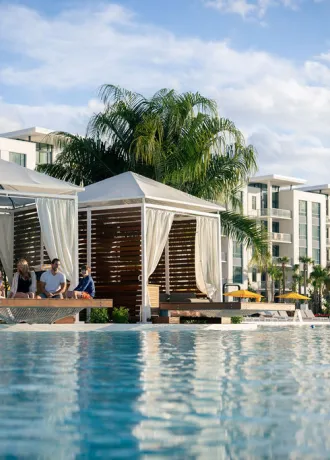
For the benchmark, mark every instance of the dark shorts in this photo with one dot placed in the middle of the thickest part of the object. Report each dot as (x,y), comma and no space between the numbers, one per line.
(43,296)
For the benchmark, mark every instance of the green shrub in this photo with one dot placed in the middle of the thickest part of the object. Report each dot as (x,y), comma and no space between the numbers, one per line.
(236,319)
(99,315)
(120,315)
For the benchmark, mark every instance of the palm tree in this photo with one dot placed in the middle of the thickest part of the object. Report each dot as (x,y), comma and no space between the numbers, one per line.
(306,261)
(262,261)
(176,139)
(284,262)
(319,277)
(297,279)
(275,274)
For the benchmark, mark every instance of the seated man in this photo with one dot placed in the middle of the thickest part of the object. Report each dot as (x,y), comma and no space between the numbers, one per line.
(53,282)
(86,287)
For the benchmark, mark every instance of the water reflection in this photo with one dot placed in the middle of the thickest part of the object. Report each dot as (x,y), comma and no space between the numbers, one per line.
(262,394)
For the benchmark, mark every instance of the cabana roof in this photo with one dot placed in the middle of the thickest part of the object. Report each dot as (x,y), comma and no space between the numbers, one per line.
(15,180)
(130,188)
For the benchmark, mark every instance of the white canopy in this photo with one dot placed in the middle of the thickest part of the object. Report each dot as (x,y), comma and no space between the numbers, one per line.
(19,179)
(130,187)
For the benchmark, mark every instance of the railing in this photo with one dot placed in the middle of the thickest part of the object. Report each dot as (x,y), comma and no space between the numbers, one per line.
(275,212)
(277,261)
(281,237)
(328,241)
(237,262)
(328,219)
(224,257)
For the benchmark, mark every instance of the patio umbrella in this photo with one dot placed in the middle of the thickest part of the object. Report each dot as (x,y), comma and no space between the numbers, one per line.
(244,294)
(293,296)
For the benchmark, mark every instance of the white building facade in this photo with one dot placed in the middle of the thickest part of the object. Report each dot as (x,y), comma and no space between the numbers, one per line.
(297,219)
(28,147)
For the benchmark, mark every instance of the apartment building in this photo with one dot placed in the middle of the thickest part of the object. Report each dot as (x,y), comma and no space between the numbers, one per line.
(297,219)
(27,147)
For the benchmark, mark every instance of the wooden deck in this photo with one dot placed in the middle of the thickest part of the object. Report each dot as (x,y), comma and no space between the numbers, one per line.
(219,309)
(55,303)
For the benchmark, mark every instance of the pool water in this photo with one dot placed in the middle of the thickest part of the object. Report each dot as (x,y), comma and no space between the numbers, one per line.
(191,394)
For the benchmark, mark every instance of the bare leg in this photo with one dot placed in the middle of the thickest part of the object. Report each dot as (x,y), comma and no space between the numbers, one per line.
(21,295)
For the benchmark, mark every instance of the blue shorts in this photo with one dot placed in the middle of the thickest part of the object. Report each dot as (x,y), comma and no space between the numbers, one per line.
(43,296)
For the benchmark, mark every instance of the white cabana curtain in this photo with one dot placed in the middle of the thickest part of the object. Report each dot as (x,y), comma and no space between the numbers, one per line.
(158,227)
(59,233)
(207,257)
(7,243)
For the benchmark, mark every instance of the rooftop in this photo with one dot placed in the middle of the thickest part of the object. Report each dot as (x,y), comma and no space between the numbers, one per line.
(324,189)
(34,134)
(274,179)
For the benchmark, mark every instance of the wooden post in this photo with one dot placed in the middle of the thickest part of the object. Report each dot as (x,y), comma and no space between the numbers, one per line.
(167,268)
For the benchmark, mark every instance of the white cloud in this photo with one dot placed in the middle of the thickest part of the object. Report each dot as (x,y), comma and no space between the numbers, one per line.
(282,107)
(255,9)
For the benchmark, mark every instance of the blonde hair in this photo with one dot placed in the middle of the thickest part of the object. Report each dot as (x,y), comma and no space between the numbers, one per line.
(25,269)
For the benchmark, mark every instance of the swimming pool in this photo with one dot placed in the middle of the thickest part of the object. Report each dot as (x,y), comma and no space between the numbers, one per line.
(191,394)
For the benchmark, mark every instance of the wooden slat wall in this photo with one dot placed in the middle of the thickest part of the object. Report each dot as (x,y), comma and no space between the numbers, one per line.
(182,259)
(116,255)
(27,238)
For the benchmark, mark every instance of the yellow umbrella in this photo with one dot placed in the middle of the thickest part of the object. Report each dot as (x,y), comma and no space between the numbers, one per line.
(244,294)
(293,295)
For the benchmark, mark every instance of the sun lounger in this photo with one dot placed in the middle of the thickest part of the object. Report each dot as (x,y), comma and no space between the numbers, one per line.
(310,316)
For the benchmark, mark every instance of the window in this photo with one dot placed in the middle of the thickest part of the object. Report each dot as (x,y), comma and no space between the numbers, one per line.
(254,202)
(237,250)
(44,153)
(316,256)
(302,231)
(276,227)
(276,251)
(316,232)
(302,252)
(237,275)
(316,209)
(18,158)
(302,208)
(254,275)
(275,196)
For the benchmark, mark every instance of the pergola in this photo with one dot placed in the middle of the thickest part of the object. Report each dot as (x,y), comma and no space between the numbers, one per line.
(38,220)
(134,230)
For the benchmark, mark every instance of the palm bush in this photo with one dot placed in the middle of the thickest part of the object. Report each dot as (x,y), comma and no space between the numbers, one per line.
(176,139)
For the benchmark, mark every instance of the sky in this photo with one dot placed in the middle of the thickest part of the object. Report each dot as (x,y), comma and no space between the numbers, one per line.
(265,62)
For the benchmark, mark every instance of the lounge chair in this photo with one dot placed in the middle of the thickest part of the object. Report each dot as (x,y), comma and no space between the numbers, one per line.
(310,316)
(283,315)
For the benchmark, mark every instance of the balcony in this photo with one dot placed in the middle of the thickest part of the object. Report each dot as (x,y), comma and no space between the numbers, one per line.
(224,257)
(328,241)
(281,237)
(276,213)
(327,220)
(277,261)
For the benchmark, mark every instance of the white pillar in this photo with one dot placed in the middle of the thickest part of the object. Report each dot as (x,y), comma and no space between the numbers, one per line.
(167,268)
(219,255)
(76,247)
(89,252)
(144,277)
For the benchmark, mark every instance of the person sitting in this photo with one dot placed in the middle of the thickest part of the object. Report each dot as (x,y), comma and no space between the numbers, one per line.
(2,287)
(24,283)
(86,287)
(53,282)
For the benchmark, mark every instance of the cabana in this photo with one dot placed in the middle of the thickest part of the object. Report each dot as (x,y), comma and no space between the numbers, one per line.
(137,233)
(38,221)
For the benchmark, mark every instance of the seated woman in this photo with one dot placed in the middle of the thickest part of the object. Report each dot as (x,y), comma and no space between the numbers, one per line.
(24,283)
(2,287)
(86,287)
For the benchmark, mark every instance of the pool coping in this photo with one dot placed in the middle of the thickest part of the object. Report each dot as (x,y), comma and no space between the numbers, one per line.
(83,327)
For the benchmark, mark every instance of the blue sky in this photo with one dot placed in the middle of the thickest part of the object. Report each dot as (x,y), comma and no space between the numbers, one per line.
(266,62)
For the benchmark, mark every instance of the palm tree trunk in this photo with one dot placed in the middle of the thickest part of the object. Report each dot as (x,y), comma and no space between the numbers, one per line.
(267,285)
(273,290)
(305,279)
